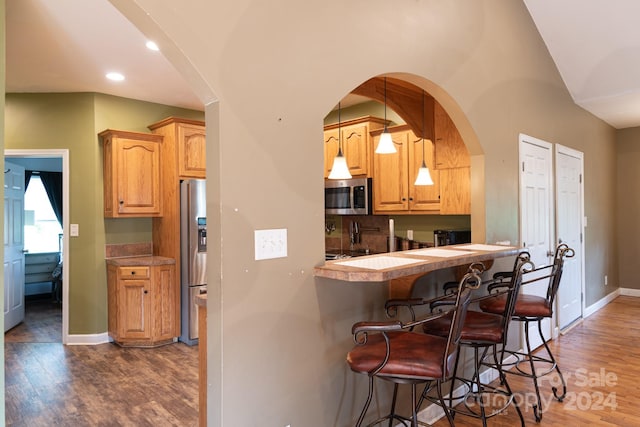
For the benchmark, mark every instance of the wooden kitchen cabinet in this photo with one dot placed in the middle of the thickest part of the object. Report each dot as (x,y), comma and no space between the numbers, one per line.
(450,150)
(184,149)
(455,191)
(131,170)
(185,145)
(356,144)
(394,175)
(143,303)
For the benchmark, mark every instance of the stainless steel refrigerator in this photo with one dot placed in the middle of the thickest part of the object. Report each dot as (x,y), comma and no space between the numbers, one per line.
(193,254)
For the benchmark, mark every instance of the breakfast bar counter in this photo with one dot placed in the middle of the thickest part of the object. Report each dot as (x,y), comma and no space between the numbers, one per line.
(392,265)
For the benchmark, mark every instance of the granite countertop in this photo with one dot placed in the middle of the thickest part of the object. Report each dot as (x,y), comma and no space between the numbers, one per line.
(140,260)
(392,265)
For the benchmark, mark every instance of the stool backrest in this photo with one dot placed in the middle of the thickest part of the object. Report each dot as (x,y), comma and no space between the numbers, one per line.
(522,264)
(470,281)
(562,251)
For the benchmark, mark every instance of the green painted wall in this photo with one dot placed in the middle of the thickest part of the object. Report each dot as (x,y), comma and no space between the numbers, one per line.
(369,108)
(72,121)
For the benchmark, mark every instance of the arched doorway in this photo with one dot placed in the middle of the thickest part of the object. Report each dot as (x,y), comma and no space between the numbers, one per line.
(421,113)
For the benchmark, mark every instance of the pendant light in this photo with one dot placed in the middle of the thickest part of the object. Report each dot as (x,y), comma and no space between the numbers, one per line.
(340,169)
(424,177)
(385,145)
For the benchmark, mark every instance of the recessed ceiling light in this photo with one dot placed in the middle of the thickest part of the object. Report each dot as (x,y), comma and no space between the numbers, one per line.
(152,46)
(116,77)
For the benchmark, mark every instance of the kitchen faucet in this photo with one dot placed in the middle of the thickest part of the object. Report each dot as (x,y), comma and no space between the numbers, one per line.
(354,233)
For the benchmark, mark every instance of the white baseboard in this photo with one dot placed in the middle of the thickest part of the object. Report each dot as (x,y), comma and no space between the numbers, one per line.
(588,311)
(629,292)
(433,412)
(88,339)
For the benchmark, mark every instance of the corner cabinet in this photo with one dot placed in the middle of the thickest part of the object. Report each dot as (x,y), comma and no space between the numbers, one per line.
(131,170)
(394,174)
(185,140)
(451,152)
(143,301)
(356,144)
(453,163)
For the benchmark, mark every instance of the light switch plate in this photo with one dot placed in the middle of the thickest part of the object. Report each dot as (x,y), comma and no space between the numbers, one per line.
(74,230)
(270,243)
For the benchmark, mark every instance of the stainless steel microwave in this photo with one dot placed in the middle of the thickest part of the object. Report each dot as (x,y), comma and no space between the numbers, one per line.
(348,196)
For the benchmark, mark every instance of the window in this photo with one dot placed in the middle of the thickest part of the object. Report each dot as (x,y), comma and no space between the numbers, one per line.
(42,231)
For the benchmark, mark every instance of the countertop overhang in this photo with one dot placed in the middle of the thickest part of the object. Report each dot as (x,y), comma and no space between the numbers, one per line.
(384,267)
(140,261)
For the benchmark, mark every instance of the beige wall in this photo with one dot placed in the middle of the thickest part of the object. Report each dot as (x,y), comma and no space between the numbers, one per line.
(279,336)
(278,68)
(72,121)
(627,206)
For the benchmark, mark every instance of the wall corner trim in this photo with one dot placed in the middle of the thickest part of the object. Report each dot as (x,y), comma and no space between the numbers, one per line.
(88,339)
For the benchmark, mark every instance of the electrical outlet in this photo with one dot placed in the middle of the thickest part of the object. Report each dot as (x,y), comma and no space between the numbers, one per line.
(410,234)
(606,280)
(270,244)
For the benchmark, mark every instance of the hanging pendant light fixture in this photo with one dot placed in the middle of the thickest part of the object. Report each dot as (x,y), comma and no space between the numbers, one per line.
(385,145)
(340,169)
(424,177)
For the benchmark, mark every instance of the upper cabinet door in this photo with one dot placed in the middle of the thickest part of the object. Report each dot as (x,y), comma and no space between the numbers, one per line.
(422,197)
(132,186)
(331,138)
(390,175)
(192,151)
(356,144)
(451,152)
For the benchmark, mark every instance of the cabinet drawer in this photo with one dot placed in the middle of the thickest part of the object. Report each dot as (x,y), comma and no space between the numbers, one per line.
(133,272)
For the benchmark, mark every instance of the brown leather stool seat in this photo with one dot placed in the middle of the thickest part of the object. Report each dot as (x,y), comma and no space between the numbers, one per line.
(526,306)
(408,357)
(393,351)
(478,327)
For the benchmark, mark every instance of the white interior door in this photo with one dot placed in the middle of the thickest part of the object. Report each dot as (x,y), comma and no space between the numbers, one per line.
(569,208)
(13,245)
(536,213)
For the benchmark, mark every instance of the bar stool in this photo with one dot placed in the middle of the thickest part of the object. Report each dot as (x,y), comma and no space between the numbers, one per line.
(393,351)
(483,332)
(528,309)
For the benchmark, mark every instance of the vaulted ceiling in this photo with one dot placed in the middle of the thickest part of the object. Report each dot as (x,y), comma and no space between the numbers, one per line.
(69,45)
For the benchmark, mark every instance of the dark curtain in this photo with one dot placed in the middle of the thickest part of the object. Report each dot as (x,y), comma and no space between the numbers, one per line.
(52,182)
(27,178)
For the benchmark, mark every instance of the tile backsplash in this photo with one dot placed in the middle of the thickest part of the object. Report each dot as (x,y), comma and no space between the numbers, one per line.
(124,250)
(374,233)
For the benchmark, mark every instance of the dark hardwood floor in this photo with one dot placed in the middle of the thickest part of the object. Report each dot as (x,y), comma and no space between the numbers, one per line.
(48,384)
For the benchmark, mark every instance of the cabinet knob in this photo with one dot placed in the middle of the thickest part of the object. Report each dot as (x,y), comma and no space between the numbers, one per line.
(411,199)
(121,202)
(404,199)
(146,291)
(133,273)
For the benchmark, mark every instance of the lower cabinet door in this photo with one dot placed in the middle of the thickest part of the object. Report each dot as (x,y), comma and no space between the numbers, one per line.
(134,305)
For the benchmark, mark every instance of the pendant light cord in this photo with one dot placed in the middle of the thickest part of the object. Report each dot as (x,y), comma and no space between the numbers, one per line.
(423,127)
(339,132)
(385,104)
